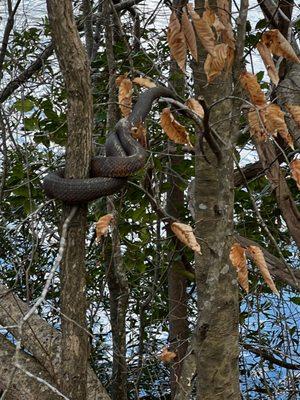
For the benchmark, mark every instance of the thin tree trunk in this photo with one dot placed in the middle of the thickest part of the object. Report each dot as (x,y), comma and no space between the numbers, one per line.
(177,281)
(216,344)
(116,273)
(74,65)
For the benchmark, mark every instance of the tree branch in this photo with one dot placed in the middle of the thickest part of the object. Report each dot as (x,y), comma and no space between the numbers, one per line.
(23,387)
(266,355)
(27,74)
(40,339)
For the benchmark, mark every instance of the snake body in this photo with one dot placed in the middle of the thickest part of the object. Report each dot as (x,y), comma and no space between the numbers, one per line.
(124,156)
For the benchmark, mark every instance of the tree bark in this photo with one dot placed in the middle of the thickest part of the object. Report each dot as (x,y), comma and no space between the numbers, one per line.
(21,386)
(216,343)
(74,65)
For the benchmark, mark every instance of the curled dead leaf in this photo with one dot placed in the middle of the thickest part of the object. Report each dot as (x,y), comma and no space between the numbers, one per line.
(195,106)
(144,82)
(295,170)
(238,259)
(203,31)
(167,356)
(175,131)
(258,257)
(176,41)
(189,35)
(294,110)
(256,119)
(102,225)
(224,11)
(275,123)
(214,64)
(139,133)
(250,84)
(125,95)
(278,45)
(186,235)
(266,56)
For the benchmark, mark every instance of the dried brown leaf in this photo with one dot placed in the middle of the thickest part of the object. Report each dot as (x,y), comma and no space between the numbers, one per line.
(175,131)
(189,35)
(294,110)
(176,41)
(256,119)
(139,133)
(214,64)
(295,169)
(213,20)
(125,95)
(278,45)
(186,235)
(259,259)
(224,11)
(102,225)
(204,31)
(194,105)
(250,84)
(266,56)
(167,356)
(238,259)
(275,123)
(144,82)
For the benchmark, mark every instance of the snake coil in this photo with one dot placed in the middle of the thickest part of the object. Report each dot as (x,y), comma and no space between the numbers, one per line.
(124,156)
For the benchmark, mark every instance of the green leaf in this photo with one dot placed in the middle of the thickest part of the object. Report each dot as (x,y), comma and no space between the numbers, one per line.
(295,300)
(23,105)
(261,24)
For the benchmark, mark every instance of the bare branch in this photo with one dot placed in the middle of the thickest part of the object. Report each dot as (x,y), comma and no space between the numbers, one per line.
(27,74)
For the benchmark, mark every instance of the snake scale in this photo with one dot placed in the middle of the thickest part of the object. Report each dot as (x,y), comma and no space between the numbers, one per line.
(124,156)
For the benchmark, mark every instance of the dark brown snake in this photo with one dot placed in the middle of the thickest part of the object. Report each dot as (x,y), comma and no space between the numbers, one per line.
(124,156)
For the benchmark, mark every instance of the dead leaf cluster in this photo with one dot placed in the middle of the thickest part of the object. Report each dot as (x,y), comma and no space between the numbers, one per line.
(272,42)
(239,262)
(265,119)
(214,32)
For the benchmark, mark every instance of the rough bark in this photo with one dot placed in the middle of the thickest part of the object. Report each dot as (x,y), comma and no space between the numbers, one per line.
(216,342)
(74,65)
(21,386)
(40,339)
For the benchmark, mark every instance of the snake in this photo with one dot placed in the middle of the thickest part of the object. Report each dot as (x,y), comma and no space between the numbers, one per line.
(124,156)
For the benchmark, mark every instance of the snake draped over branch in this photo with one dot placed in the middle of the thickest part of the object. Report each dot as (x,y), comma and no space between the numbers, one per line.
(124,156)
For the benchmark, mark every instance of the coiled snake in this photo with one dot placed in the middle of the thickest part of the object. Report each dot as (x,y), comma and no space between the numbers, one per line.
(124,156)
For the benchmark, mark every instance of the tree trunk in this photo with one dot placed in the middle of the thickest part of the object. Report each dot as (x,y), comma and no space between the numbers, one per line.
(216,344)
(74,350)
(177,281)
(116,271)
